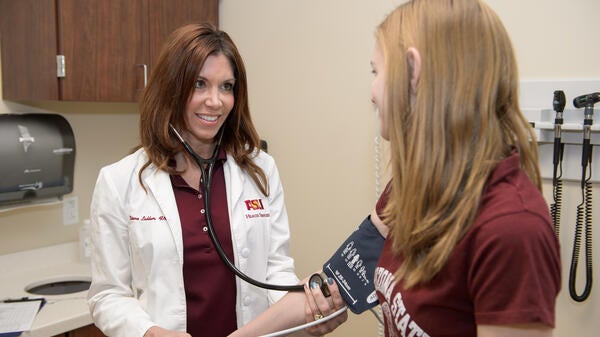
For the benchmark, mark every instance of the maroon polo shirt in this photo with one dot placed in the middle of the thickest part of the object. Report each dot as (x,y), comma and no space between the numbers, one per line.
(505,270)
(209,285)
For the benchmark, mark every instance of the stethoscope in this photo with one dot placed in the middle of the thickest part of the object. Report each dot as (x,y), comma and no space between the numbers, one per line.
(206,170)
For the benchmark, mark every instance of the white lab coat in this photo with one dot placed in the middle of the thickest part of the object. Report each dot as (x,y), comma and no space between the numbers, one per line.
(137,260)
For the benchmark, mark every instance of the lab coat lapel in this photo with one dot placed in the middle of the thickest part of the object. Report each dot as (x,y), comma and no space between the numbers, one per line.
(234,184)
(159,184)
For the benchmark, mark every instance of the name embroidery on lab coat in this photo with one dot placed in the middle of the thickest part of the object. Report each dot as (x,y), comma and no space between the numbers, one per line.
(147,218)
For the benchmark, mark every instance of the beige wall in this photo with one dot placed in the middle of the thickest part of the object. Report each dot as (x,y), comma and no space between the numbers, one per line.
(309,74)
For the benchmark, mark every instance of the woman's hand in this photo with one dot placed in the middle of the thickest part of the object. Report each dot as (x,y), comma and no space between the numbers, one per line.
(379,224)
(318,306)
(156,331)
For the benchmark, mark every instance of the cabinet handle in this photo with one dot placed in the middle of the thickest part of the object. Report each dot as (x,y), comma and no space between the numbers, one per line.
(60,66)
(145,68)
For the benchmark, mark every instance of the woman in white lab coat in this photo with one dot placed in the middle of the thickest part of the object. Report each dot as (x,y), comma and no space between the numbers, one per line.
(155,271)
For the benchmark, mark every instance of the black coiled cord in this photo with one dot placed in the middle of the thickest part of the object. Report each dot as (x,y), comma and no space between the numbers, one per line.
(584,216)
(555,208)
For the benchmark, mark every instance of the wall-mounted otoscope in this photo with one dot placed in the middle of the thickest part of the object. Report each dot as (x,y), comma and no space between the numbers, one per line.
(584,209)
(558,103)
(587,102)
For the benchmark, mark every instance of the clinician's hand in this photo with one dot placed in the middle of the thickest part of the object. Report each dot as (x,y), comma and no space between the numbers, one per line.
(156,331)
(318,304)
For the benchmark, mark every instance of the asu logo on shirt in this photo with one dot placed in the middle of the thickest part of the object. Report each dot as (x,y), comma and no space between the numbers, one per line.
(254,205)
(255,208)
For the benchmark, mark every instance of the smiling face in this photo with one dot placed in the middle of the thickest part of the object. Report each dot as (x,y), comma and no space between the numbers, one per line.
(210,103)
(378,89)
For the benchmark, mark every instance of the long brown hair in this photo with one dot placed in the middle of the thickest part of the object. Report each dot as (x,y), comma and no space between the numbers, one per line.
(170,87)
(462,119)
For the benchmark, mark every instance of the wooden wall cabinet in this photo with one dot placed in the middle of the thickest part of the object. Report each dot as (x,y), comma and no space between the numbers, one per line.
(109,46)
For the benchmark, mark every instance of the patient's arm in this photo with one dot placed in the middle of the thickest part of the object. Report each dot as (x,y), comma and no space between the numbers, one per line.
(294,309)
(285,313)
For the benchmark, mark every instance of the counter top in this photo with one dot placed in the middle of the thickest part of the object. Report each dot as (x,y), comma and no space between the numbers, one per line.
(61,313)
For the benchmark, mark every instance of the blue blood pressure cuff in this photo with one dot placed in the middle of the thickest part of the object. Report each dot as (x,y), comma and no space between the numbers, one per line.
(353,266)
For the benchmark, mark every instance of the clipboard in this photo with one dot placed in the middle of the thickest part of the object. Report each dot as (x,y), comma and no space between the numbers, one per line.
(17,315)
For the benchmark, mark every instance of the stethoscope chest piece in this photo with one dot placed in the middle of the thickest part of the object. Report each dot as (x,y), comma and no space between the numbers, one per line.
(319,280)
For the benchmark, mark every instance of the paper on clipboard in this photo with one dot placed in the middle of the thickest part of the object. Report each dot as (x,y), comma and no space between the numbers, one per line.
(18,316)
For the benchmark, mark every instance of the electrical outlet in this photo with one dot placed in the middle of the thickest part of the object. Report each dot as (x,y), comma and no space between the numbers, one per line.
(70,211)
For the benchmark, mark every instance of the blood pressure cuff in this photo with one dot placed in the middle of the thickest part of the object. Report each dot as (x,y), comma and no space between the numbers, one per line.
(353,267)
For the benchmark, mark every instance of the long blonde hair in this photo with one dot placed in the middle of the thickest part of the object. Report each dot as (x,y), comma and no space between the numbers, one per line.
(462,119)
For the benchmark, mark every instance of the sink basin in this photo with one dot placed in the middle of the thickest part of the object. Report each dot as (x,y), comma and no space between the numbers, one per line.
(59,285)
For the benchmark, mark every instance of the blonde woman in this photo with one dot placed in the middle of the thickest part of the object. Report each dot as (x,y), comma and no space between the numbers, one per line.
(471,251)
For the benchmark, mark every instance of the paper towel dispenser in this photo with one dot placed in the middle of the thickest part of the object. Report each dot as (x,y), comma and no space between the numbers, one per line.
(37,157)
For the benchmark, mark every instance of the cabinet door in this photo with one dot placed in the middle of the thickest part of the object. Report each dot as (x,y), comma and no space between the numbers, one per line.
(104,46)
(28,46)
(108,45)
(166,16)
